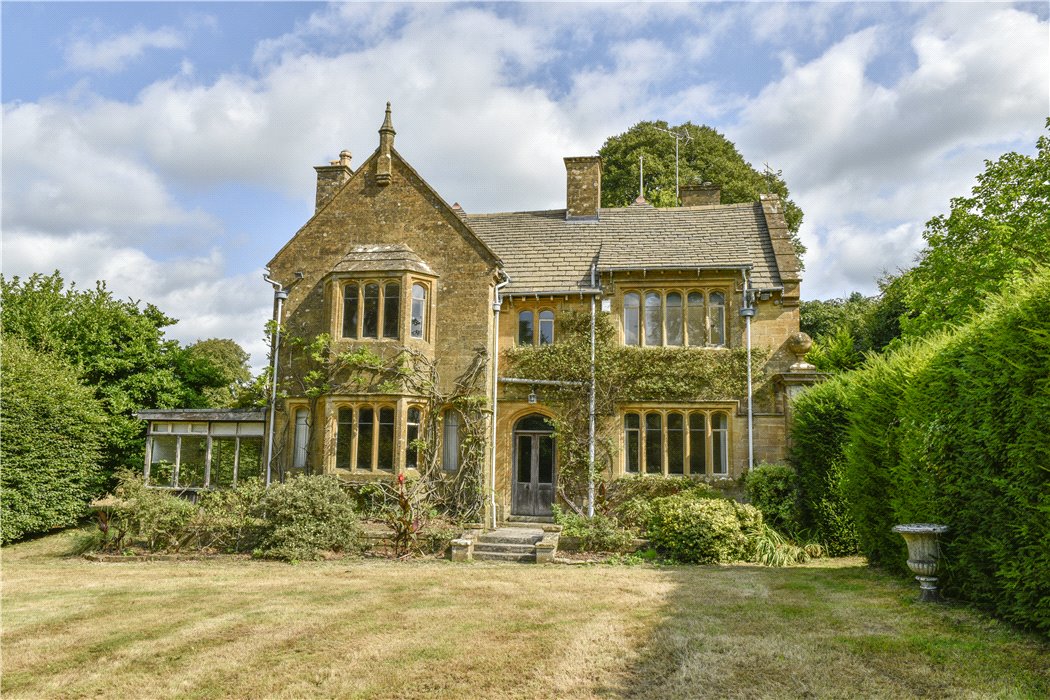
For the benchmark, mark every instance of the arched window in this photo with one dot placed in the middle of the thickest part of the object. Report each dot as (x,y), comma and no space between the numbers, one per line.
(697,443)
(546,327)
(526,335)
(411,451)
(631,308)
(302,438)
(419,311)
(344,438)
(350,311)
(675,443)
(717,317)
(695,319)
(391,310)
(365,433)
(653,322)
(673,318)
(370,318)
(385,448)
(654,463)
(632,442)
(450,442)
(720,443)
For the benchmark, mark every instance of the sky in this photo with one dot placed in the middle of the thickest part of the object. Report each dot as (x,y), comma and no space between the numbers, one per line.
(168,148)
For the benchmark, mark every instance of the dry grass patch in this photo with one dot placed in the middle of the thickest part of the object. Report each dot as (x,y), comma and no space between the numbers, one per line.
(377,629)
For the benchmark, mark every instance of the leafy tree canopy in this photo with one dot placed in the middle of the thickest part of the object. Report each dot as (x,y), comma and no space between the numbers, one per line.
(704,155)
(995,236)
(222,362)
(116,346)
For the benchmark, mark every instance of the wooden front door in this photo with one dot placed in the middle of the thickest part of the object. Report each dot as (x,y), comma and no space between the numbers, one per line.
(534,458)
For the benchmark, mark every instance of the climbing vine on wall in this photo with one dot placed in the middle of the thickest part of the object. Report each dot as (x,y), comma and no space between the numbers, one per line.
(622,375)
(323,368)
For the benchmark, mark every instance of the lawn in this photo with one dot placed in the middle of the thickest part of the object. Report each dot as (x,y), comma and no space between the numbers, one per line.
(379,629)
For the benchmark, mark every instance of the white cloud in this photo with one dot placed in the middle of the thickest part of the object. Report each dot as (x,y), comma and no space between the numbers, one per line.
(194,290)
(852,148)
(113,53)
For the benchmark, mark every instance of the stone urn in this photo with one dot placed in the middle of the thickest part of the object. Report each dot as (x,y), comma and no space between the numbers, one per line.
(924,551)
(798,345)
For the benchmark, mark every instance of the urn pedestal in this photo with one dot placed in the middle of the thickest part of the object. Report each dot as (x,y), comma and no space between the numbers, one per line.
(924,551)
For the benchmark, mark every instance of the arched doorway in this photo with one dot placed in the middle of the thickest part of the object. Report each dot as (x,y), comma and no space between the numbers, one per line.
(534,459)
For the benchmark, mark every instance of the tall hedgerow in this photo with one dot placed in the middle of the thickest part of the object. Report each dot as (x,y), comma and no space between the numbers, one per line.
(52,442)
(953,429)
(818,435)
(977,435)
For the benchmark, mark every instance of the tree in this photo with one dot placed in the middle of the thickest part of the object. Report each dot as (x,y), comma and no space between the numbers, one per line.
(704,156)
(52,438)
(117,348)
(845,331)
(221,365)
(997,235)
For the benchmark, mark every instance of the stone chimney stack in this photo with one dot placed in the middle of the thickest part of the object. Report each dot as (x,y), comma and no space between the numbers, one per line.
(583,187)
(700,195)
(331,177)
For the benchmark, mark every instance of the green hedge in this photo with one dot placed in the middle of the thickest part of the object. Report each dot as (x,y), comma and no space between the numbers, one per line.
(818,436)
(52,435)
(955,430)
(773,489)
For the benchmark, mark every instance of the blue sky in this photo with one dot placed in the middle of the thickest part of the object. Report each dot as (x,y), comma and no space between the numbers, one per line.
(168,147)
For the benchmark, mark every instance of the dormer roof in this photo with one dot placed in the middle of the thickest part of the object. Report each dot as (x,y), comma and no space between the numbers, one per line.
(396,257)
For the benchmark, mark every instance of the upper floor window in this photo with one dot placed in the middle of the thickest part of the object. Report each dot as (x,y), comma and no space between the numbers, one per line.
(657,318)
(371,310)
(676,443)
(419,311)
(527,327)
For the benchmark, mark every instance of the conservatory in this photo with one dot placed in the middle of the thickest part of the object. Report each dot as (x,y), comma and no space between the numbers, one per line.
(197,449)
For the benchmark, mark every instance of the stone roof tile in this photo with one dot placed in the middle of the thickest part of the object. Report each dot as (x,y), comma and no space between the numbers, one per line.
(542,252)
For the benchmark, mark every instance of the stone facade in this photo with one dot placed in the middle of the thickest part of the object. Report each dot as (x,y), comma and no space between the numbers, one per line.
(386,265)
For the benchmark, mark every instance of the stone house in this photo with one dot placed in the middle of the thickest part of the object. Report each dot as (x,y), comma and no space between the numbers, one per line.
(387,273)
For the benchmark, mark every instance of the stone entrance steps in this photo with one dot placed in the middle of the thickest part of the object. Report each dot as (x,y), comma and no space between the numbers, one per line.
(508,544)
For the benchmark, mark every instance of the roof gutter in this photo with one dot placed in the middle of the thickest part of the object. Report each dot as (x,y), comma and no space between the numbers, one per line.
(636,268)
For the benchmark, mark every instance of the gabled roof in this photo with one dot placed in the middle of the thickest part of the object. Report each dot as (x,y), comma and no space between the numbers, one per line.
(544,253)
(383,258)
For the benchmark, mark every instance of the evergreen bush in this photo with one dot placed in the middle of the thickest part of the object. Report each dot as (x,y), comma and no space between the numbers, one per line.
(307,516)
(699,530)
(773,489)
(598,534)
(53,430)
(820,419)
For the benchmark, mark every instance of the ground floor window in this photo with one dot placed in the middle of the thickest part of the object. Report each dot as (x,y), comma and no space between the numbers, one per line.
(366,438)
(676,442)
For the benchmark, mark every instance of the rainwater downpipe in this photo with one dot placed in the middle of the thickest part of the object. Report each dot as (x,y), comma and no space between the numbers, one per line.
(279,295)
(590,445)
(748,311)
(496,304)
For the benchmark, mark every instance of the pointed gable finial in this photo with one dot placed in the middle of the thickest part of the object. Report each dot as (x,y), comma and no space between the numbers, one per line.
(386,143)
(388,124)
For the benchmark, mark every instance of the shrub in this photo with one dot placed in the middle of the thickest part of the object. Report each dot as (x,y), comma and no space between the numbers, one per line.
(307,516)
(154,520)
(52,434)
(629,498)
(598,534)
(773,489)
(820,419)
(230,520)
(701,530)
